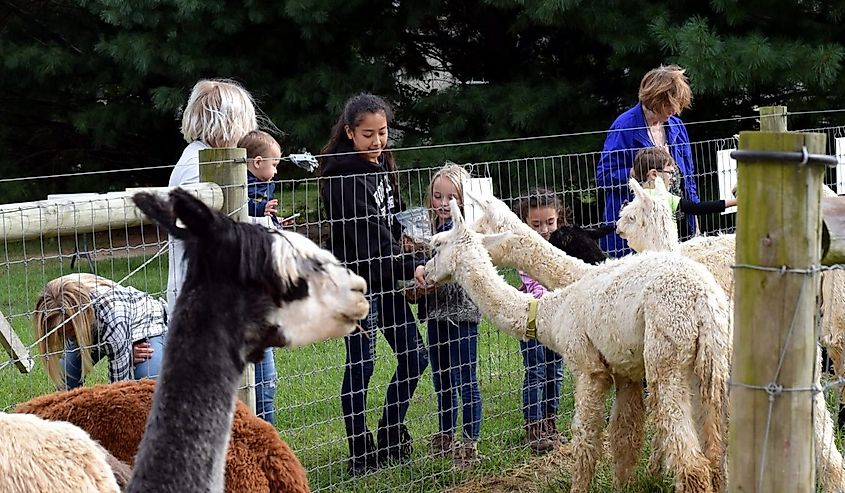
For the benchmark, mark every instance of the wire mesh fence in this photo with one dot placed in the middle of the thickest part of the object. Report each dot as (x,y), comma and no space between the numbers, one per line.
(401,351)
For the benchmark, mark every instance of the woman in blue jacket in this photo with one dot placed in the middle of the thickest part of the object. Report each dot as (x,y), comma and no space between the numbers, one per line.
(653,122)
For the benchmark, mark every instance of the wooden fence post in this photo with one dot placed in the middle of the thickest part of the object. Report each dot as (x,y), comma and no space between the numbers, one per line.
(227,168)
(772,118)
(778,225)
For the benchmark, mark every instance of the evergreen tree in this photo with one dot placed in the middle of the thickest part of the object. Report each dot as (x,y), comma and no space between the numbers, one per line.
(99,84)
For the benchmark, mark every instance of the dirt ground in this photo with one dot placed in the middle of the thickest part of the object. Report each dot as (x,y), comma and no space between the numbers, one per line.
(532,477)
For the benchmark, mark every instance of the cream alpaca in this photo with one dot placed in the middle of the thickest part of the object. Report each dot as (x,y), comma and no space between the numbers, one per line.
(670,342)
(646,223)
(40,455)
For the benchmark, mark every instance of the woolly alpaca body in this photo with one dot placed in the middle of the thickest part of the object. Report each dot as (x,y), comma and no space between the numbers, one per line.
(646,223)
(276,288)
(39,455)
(114,415)
(617,325)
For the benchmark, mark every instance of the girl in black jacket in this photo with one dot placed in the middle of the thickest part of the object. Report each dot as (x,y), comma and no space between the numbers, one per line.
(360,195)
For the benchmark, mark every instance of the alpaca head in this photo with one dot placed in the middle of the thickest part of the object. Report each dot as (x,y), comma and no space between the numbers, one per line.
(581,243)
(496,216)
(647,222)
(448,248)
(295,293)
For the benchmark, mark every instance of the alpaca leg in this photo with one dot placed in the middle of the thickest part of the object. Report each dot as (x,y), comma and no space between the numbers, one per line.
(655,459)
(831,470)
(674,419)
(711,414)
(626,428)
(590,390)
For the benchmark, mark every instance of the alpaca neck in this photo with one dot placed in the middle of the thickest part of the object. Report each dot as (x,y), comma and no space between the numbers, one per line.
(503,304)
(548,265)
(187,434)
(663,241)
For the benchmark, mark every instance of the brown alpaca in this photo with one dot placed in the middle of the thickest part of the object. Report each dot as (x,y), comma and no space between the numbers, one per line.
(115,416)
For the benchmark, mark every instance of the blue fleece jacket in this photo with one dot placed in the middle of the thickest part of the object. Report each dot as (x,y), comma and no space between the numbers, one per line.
(259,192)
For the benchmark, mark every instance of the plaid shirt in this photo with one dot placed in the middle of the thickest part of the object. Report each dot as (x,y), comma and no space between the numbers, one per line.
(125,315)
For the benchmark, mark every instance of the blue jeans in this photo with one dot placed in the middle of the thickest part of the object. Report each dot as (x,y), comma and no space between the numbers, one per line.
(391,312)
(71,362)
(543,376)
(265,387)
(453,351)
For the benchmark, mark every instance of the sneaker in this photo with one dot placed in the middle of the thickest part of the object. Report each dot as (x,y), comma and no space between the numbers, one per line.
(441,444)
(465,455)
(550,426)
(395,444)
(535,434)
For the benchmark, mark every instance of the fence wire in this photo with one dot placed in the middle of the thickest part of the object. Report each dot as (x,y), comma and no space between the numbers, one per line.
(307,381)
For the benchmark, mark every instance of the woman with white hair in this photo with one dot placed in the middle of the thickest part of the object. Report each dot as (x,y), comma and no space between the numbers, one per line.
(218,114)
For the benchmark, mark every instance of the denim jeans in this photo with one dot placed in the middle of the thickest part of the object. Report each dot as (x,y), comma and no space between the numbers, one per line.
(391,312)
(71,361)
(265,387)
(453,351)
(543,376)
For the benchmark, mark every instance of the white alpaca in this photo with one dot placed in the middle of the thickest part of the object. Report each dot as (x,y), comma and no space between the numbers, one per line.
(40,455)
(647,224)
(246,288)
(618,325)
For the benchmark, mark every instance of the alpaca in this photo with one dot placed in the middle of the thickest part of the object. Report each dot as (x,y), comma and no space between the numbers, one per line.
(644,333)
(582,243)
(512,243)
(258,460)
(246,288)
(40,455)
(646,223)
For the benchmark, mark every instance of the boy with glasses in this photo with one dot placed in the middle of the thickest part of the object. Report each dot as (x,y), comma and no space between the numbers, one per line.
(652,163)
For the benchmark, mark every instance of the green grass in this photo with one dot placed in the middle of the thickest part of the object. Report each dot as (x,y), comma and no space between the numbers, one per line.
(308,405)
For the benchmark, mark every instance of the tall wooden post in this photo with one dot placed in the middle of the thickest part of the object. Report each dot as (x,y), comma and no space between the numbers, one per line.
(778,224)
(773,118)
(227,168)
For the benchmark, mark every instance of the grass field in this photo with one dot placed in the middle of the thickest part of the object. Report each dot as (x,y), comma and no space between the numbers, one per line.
(308,406)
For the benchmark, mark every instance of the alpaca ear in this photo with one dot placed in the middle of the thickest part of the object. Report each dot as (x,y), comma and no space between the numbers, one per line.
(159,211)
(481,202)
(660,186)
(495,239)
(457,216)
(639,192)
(195,215)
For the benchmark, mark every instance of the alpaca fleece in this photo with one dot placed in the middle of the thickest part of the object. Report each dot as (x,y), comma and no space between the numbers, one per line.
(646,223)
(45,456)
(115,415)
(615,323)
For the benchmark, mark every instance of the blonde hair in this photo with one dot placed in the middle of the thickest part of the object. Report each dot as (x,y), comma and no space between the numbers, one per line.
(219,112)
(456,174)
(64,310)
(667,85)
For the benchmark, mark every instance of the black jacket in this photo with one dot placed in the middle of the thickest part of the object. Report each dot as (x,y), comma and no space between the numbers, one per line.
(360,203)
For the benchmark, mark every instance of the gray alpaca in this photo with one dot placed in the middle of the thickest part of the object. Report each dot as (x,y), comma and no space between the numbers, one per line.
(246,288)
